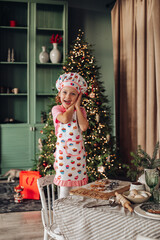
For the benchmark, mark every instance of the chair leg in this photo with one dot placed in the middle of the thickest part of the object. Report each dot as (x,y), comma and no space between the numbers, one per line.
(45,235)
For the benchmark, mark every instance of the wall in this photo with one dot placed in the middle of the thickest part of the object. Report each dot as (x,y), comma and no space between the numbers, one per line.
(94,18)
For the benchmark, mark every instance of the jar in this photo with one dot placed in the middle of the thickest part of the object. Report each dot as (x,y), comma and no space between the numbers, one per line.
(138,186)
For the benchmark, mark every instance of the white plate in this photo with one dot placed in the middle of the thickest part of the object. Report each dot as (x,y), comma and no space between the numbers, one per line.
(145,214)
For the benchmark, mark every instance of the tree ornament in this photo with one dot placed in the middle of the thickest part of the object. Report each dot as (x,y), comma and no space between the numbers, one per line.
(40,144)
(45,164)
(87,93)
(92,95)
(108,137)
(101,169)
(98,103)
(92,112)
(108,159)
(97,117)
(95,144)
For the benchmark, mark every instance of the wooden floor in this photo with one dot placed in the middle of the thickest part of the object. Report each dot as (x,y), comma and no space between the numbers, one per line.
(21,226)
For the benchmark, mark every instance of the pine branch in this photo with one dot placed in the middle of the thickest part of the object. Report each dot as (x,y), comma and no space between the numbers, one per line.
(155,152)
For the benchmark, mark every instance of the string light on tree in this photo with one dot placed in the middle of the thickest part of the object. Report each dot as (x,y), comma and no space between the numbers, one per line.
(99,142)
(97,145)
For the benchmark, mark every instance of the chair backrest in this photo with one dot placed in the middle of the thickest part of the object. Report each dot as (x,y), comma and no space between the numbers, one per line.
(48,195)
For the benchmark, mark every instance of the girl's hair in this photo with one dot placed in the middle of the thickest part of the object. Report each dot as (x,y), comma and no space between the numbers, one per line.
(58,100)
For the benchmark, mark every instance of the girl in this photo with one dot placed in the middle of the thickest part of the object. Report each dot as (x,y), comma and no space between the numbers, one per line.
(69,121)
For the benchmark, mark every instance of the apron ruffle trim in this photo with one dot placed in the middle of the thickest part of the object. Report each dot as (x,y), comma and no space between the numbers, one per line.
(71,183)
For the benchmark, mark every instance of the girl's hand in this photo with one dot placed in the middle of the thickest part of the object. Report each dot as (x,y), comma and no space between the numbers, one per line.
(78,102)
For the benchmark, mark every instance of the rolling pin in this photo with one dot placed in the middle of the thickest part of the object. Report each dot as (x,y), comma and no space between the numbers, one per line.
(123,201)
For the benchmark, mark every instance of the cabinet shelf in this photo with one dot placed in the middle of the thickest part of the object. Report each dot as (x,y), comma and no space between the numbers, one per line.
(13,94)
(13,28)
(45,94)
(14,63)
(50,29)
(10,125)
(49,64)
(7,124)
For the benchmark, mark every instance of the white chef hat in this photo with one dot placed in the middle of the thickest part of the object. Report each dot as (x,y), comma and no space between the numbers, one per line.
(72,80)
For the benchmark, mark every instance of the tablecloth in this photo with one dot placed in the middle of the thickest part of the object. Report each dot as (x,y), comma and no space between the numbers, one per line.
(77,222)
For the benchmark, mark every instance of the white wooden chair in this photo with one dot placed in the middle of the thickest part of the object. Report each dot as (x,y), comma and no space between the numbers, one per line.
(47,195)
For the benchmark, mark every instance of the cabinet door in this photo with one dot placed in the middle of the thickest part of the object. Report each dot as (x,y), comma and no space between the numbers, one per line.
(38,136)
(16,148)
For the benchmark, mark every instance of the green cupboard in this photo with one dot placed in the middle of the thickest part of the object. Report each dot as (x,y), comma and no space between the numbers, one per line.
(26,84)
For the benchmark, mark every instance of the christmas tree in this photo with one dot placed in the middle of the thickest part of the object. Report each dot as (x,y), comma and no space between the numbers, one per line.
(100,145)
(47,145)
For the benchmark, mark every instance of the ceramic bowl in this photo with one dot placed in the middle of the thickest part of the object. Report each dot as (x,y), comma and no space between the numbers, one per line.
(138,186)
(136,199)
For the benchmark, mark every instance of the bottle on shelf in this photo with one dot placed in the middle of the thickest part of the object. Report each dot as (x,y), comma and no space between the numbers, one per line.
(9,55)
(12,56)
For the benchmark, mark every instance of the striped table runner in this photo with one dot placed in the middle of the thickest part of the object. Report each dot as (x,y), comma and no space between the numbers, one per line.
(102,223)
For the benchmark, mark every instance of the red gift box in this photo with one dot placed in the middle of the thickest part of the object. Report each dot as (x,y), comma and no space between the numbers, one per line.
(28,180)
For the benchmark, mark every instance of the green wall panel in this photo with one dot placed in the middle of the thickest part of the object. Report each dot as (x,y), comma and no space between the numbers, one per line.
(96,24)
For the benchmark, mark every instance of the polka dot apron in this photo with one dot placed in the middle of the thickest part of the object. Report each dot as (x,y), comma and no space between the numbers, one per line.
(70,162)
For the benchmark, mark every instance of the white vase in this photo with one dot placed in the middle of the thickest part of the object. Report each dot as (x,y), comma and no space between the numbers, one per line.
(43,56)
(55,54)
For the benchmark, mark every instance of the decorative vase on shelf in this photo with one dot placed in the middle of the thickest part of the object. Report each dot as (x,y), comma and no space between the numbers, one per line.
(43,56)
(55,54)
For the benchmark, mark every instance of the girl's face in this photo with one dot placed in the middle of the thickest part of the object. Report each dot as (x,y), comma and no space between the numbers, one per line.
(68,96)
